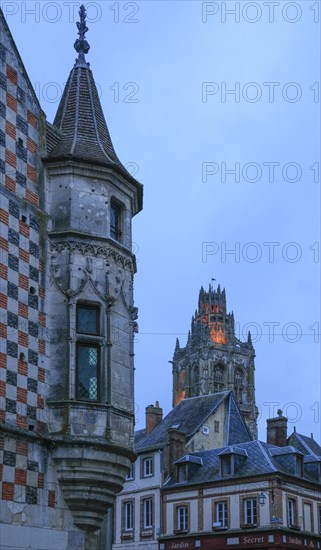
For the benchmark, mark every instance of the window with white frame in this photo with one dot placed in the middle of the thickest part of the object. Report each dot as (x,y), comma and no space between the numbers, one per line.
(307,512)
(319,519)
(182,518)
(128,515)
(148,466)
(250,511)
(221,514)
(291,511)
(131,472)
(147,513)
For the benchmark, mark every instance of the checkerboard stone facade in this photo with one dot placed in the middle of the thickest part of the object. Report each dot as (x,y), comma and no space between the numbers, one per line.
(29,489)
(23,465)
(22,295)
(63,454)
(22,325)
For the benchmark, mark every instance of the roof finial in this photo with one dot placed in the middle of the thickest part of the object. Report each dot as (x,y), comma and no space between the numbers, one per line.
(81,45)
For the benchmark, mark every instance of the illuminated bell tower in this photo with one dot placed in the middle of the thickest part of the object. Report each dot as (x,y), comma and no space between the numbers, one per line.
(213,359)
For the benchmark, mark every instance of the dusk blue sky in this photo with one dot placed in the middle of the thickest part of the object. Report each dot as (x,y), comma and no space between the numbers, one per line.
(151,60)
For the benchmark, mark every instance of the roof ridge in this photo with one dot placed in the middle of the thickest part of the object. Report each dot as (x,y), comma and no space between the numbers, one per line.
(203,396)
(265,453)
(299,436)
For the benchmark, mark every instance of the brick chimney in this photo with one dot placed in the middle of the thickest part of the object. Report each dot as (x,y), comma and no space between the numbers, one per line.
(277,430)
(177,447)
(154,415)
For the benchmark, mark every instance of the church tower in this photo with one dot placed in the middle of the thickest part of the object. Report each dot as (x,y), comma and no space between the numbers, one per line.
(213,359)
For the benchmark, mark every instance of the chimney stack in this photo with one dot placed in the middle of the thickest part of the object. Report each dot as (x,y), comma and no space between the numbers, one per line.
(177,447)
(154,415)
(277,430)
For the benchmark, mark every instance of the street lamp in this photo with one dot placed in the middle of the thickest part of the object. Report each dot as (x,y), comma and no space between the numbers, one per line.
(263,495)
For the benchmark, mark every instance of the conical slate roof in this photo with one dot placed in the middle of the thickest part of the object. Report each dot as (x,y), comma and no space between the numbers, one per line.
(80,128)
(80,119)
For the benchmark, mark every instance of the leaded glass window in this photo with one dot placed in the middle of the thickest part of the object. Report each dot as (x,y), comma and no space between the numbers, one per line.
(87,352)
(87,319)
(87,369)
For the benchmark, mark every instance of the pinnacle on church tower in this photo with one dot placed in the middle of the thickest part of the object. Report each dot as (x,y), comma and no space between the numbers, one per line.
(214,359)
(177,347)
(81,45)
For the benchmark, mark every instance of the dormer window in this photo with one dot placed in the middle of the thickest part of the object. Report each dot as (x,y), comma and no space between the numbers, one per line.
(115,221)
(182,473)
(312,466)
(299,465)
(187,466)
(231,459)
(289,459)
(227,465)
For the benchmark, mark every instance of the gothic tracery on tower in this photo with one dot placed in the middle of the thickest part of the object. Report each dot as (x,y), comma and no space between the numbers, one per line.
(214,359)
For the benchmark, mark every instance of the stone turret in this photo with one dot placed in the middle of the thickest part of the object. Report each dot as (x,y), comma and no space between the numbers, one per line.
(214,359)
(90,268)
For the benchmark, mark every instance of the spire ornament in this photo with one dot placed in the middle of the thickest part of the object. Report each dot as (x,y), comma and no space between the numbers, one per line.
(81,45)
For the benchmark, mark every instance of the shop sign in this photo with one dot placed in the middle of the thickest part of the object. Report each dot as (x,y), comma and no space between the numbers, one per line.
(312,544)
(295,540)
(254,539)
(183,545)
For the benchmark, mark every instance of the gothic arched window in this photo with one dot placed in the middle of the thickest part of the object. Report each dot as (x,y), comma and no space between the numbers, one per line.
(88,352)
(194,379)
(180,391)
(218,377)
(238,384)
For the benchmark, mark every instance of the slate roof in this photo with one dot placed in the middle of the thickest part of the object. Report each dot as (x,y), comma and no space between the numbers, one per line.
(286,450)
(52,137)
(80,119)
(139,435)
(305,444)
(258,459)
(83,132)
(257,463)
(189,415)
(237,430)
